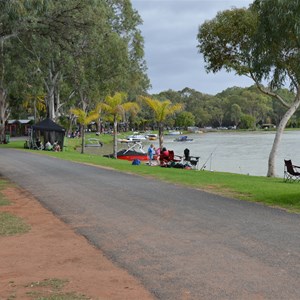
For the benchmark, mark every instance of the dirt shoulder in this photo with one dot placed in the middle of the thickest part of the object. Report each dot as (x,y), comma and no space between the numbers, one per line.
(52,259)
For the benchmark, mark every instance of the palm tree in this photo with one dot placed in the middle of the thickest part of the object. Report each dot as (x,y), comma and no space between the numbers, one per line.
(162,109)
(84,118)
(116,108)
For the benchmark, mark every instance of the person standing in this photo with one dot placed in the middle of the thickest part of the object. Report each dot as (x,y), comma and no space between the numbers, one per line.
(151,151)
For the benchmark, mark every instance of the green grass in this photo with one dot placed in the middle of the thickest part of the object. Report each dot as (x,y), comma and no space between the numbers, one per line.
(3,185)
(53,283)
(50,289)
(12,225)
(268,191)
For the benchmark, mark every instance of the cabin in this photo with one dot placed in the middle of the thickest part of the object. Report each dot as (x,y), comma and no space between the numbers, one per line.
(18,127)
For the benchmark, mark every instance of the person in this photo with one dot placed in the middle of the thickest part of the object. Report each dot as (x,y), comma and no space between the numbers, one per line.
(48,146)
(56,146)
(157,153)
(165,153)
(151,151)
(38,143)
(186,154)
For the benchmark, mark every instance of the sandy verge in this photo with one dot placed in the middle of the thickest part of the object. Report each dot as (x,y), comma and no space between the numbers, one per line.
(51,250)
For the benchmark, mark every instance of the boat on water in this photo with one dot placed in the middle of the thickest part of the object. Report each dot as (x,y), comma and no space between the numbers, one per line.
(151,136)
(136,138)
(93,142)
(134,151)
(183,138)
(174,132)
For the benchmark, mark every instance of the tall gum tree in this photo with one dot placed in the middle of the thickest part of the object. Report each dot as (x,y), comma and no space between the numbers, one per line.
(263,43)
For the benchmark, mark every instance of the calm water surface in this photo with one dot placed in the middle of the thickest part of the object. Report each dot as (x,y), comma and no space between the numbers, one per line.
(243,153)
(235,152)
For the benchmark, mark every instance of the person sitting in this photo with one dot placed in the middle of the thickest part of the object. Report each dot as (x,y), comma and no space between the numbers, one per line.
(165,153)
(56,146)
(48,146)
(164,157)
(38,144)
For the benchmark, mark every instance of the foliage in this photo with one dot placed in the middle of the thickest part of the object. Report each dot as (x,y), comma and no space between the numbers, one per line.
(84,119)
(261,42)
(115,107)
(185,119)
(161,110)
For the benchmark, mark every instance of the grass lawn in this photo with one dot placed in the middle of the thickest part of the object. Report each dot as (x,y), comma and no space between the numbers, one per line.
(268,191)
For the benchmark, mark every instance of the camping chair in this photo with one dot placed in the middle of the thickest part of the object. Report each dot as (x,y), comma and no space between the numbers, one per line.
(291,172)
(193,160)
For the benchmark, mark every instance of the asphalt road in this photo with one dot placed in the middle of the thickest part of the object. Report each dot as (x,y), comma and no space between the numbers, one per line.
(180,243)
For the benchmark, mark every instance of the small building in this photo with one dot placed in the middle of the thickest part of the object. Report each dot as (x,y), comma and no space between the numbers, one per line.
(18,127)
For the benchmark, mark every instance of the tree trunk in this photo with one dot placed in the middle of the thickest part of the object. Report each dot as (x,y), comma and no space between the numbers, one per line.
(52,97)
(279,132)
(4,113)
(115,137)
(82,138)
(161,135)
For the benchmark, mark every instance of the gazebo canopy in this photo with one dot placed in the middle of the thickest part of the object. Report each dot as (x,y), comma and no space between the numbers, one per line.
(48,125)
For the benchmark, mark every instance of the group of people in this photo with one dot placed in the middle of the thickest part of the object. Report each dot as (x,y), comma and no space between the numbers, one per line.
(156,154)
(48,146)
(55,147)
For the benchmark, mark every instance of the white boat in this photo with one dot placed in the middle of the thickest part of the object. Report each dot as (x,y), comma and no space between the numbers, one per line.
(136,137)
(174,132)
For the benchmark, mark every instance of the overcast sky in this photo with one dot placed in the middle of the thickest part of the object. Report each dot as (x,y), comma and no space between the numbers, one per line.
(170,30)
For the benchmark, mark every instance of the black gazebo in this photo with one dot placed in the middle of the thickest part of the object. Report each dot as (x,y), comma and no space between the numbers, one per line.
(50,131)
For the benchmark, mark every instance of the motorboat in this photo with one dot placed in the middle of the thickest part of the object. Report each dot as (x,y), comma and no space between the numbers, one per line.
(134,151)
(183,138)
(136,137)
(152,136)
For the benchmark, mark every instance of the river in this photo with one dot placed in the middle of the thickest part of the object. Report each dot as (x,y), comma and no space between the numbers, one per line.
(234,152)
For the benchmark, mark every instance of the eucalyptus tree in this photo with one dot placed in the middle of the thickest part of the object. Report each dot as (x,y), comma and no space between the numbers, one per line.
(161,110)
(261,42)
(16,17)
(236,114)
(115,108)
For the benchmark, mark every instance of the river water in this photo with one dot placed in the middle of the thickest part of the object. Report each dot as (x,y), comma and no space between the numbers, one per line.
(234,152)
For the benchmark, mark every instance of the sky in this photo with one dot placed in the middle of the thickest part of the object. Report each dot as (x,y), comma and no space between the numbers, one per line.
(170,30)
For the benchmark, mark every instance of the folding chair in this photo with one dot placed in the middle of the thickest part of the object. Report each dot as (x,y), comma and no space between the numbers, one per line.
(291,172)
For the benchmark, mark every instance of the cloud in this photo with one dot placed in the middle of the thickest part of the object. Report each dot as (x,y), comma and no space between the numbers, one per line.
(170,31)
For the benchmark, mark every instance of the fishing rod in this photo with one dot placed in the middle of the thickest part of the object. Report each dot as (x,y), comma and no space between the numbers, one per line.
(209,157)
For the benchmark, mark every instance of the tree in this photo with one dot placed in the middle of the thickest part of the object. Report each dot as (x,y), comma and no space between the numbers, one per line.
(161,110)
(84,118)
(115,107)
(185,119)
(236,114)
(261,42)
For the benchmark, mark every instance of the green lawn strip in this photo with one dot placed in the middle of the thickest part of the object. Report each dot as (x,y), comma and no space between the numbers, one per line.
(3,200)
(12,225)
(269,191)
(51,289)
